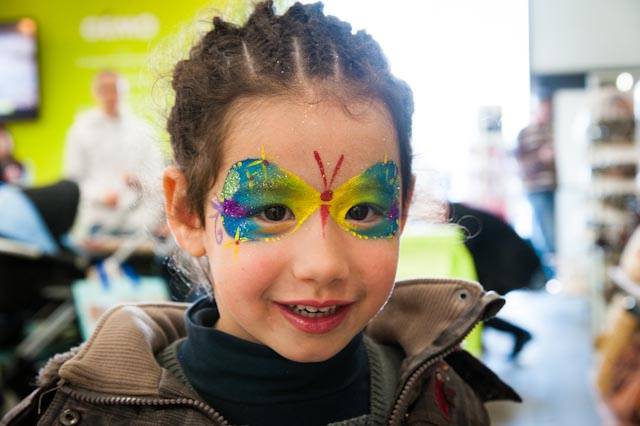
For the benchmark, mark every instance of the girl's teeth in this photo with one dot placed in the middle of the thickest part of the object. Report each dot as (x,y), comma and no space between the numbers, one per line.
(312,311)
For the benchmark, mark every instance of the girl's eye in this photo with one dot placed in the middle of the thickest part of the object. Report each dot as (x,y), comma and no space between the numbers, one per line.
(362,213)
(276,213)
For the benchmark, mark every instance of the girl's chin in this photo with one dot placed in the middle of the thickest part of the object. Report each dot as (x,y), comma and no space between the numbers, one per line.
(311,354)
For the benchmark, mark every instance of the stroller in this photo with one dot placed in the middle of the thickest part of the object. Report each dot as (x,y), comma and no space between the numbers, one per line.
(35,272)
(38,316)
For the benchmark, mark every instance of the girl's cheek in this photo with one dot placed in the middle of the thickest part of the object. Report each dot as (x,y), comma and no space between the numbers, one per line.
(379,254)
(268,256)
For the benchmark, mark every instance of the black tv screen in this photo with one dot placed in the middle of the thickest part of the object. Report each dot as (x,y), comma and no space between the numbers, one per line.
(19,78)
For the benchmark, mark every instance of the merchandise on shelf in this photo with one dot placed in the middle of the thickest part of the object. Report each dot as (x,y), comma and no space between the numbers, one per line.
(613,158)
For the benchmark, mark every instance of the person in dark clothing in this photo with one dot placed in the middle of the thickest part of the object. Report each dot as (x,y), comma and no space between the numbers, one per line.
(503,261)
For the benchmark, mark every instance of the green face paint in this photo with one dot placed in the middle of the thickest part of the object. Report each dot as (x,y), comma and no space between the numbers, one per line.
(367,205)
(252,186)
(376,189)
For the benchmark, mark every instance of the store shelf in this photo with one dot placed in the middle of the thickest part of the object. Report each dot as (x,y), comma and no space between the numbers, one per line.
(610,216)
(613,142)
(602,156)
(608,186)
(624,282)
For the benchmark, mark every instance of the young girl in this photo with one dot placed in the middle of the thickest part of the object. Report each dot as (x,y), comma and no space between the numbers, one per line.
(292,182)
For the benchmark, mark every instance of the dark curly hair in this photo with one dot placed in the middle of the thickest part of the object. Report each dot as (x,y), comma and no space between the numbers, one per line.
(273,55)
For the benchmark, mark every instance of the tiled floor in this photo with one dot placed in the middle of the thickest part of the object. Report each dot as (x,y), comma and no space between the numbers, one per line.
(555,371)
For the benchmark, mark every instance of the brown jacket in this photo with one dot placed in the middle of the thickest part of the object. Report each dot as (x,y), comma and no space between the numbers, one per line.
(114,377)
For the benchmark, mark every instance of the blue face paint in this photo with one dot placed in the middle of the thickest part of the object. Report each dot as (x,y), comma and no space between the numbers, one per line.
(366,206)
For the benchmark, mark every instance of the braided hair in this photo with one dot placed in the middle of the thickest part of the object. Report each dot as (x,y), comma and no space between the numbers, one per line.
(267,56)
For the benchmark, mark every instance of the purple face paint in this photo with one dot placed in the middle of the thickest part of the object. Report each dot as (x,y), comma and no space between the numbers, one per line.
(217,217)
(231,208)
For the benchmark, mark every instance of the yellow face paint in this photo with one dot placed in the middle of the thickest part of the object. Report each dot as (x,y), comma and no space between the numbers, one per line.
(253,186)
(378,188)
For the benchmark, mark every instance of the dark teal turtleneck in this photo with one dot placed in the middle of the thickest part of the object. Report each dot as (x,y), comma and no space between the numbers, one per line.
(251,384)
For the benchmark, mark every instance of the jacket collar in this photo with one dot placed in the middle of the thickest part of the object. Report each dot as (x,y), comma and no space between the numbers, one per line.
(428,317)
(119,357)
(424,317)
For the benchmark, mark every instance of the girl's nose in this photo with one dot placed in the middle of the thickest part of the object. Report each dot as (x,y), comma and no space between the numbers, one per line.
(321,257)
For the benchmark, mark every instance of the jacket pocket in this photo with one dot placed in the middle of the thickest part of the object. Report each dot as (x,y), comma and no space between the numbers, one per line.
(446,400)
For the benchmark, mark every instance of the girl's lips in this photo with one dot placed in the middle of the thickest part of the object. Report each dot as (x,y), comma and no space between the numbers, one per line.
(315,325)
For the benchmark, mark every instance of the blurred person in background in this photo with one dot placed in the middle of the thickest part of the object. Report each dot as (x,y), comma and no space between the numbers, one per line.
(108,149)
(536,157)
(11,170)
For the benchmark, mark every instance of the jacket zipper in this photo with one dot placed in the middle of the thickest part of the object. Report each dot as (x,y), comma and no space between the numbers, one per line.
(220,420)
(399,407)
(217,416)
(131,400)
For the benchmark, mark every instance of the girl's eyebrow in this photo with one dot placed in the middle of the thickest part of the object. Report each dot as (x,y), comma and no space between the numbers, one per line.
(286,186)
(270,187)
(372,184)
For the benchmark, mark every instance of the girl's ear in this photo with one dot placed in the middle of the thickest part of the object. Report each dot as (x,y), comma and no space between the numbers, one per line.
(184,224)
(407,204)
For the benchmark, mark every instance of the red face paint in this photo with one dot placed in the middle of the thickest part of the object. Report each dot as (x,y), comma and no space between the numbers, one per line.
(316,155)
(327,194)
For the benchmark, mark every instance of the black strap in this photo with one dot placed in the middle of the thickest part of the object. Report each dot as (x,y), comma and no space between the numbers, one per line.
(485,383)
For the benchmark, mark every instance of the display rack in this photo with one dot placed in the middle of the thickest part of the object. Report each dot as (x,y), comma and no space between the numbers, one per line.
(613,161)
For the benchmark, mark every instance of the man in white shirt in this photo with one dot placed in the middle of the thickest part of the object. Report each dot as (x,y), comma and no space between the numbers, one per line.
(110,152)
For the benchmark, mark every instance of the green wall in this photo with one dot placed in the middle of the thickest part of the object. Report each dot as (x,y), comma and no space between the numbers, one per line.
(68,62)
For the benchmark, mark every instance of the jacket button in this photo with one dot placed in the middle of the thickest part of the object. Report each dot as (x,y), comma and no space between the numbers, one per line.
(69,417)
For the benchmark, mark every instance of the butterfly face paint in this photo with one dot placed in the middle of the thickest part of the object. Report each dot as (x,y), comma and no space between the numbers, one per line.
(367,205)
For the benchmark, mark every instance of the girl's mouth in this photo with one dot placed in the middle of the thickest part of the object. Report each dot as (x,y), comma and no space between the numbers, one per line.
(315,319)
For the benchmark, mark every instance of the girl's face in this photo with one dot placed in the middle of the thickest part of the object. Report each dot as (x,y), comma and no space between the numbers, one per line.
(303,224)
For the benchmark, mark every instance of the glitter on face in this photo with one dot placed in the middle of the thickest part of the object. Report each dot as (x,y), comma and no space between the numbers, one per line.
(253,185)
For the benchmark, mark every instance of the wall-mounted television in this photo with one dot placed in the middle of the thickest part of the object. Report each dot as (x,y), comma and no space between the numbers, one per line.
(19,76)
